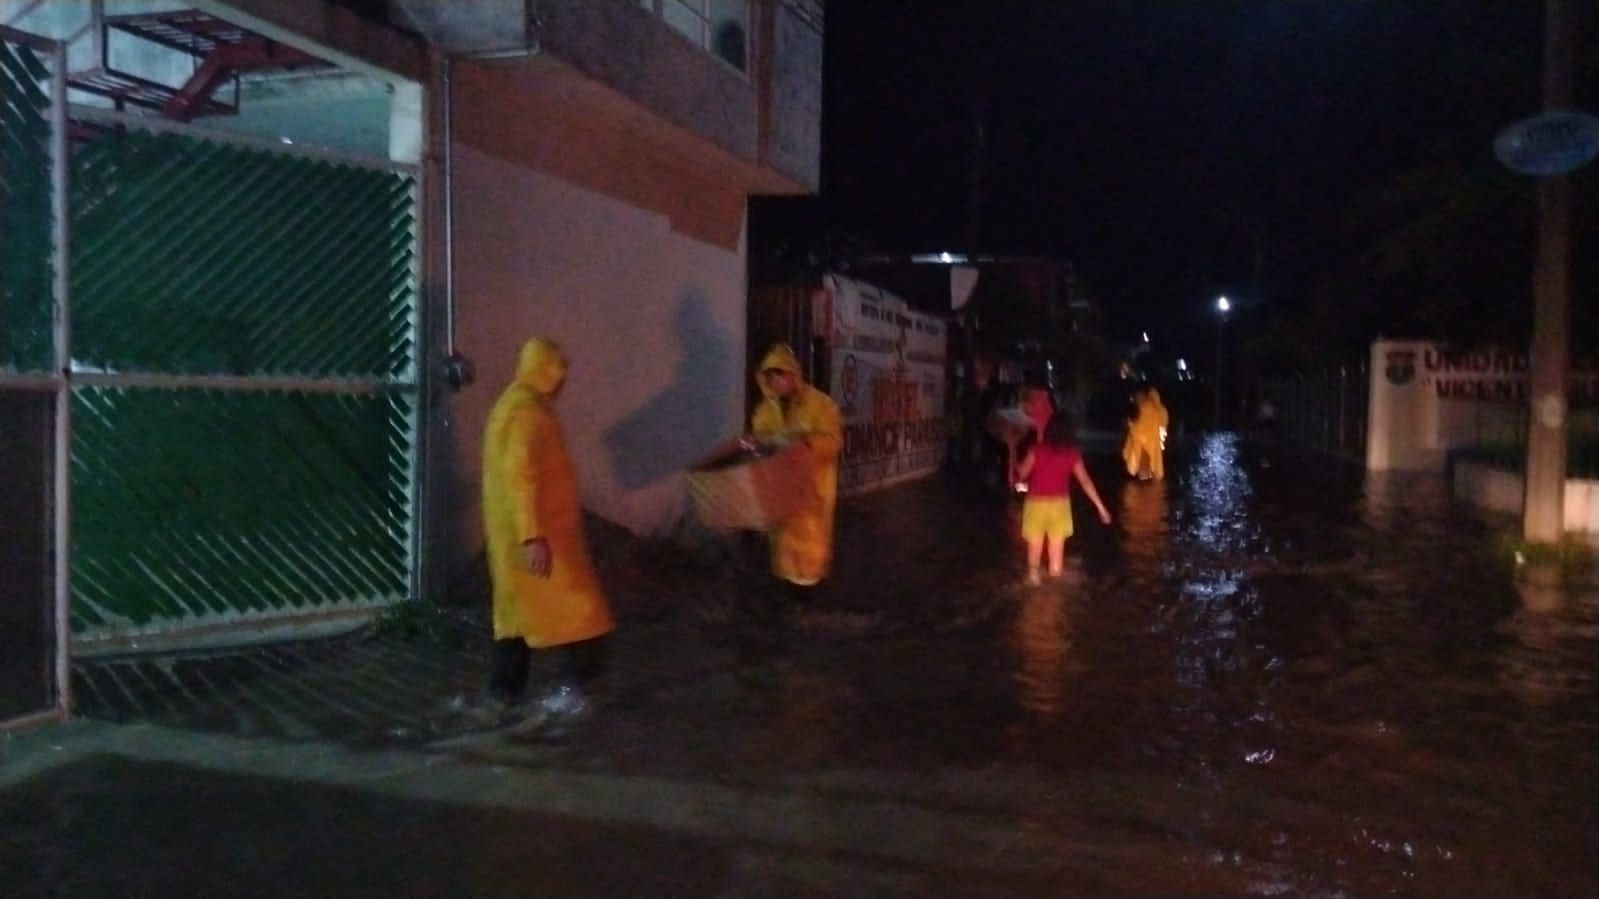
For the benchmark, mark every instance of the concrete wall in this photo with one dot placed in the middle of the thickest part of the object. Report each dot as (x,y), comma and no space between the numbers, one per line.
(600,192)
(1426,400)
(1498,490)
(770,116)
(791,82)
(628,49)
(653,320)
(767,113)
(1402,415)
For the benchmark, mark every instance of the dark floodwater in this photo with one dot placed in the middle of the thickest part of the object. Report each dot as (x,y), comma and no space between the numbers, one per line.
(1261,680)
(1265,678)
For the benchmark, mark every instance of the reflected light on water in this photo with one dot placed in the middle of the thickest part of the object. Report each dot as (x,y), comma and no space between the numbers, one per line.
(1043,638)
(1218,491)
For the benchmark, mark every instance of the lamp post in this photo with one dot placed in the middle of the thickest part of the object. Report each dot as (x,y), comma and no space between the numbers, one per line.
(1222,306)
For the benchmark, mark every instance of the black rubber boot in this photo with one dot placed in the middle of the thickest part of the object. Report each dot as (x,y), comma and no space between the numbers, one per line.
(509,662)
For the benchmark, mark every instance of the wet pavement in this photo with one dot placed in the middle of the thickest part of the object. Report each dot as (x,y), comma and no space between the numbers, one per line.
(1267,677)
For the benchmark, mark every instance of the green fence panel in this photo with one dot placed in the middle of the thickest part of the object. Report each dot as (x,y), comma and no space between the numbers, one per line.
(27,272)
(284,490)
(199,257)
(206,505)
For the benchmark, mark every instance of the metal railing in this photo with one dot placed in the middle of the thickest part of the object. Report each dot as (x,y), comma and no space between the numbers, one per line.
(1323,411)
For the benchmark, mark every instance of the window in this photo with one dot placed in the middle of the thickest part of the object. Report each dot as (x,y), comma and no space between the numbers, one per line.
(718,26)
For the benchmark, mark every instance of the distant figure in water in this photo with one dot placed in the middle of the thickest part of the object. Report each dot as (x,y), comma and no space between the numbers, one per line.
(1145,448)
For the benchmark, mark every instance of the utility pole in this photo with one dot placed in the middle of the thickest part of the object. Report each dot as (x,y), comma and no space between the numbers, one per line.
(1543,512)
(974,187)
(974,204)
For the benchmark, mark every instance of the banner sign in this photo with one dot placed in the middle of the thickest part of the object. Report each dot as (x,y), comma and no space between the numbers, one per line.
(888,380)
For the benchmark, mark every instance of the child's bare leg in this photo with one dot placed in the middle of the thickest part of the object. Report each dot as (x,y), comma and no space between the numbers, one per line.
(1057,556)
(1035,553)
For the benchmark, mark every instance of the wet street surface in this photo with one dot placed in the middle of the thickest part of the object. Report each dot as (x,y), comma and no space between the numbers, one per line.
(1267,677)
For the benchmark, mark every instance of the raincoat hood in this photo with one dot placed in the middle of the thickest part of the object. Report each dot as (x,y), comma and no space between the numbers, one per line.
(541,366)
(780,357)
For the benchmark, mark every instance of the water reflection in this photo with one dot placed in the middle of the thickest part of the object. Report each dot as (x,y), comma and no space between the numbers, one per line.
(1311,682)
(1218,490)
(1545,660)
(1142,516)
(1043,640)
(1279,681)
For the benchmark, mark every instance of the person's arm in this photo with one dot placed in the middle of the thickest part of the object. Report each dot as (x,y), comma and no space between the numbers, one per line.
(524,436)
(1080,471)
(1024,468)
(825,434)
(767,419)
(766,424)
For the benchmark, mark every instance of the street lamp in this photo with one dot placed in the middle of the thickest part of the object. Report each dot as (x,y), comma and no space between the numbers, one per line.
(1222,306)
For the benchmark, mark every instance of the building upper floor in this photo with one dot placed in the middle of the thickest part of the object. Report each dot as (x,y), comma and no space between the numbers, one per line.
(742,76)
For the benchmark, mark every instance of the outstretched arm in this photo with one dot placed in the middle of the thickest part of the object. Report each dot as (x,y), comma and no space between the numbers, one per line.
(1080,471)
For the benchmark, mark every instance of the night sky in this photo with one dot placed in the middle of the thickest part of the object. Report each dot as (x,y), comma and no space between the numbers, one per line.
(1152,142)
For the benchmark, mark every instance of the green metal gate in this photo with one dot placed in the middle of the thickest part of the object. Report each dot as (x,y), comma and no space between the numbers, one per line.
(33,679)
(244,404)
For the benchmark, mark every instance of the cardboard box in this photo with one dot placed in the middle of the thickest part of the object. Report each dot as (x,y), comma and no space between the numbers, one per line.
(736,489)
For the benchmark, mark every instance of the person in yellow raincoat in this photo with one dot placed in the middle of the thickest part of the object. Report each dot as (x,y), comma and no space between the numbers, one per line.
(792,410)
(546,593)
(1144,450)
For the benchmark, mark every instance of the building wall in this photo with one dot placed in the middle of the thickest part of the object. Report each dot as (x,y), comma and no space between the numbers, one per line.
(600,190)
(770,116)
(791,85)
(1502,491)
(1427,400)
(652,318)
(626,48)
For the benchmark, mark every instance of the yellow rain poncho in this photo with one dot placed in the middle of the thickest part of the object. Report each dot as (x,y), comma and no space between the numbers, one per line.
(1146,436)
(802,547)
(530,491)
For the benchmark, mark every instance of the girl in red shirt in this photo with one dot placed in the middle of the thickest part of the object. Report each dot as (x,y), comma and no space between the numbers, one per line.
(1049,469)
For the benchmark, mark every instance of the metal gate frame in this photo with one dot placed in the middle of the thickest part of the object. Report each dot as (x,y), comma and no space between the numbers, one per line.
(56,376)
(55,382)
(408,382)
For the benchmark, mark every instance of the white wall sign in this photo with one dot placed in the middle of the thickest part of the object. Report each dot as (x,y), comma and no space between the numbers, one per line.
(888,381)
(1427,399)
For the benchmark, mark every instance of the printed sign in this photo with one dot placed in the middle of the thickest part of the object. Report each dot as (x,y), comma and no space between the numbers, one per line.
(1427,399)
(888,381)
(1498,376)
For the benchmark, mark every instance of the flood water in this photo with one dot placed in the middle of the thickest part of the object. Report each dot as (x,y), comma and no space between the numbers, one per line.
(1260,680)
(1267,677)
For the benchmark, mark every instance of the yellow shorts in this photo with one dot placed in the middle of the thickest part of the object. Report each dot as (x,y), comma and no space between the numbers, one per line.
(1045,518)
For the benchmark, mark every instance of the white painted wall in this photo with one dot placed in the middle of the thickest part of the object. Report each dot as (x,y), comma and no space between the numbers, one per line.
(1501,491)
(1425,402)
(1402,413)
(653,321)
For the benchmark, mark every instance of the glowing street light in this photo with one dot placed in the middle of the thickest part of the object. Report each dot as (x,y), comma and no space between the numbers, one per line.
(1223,306)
